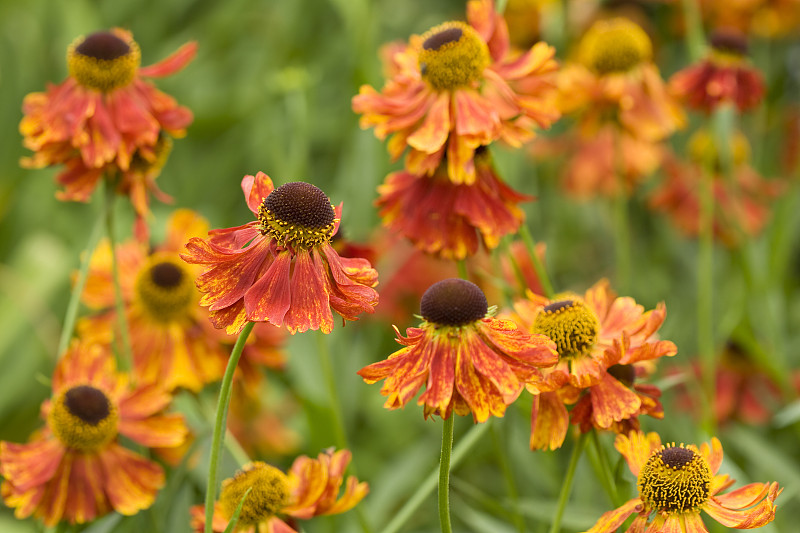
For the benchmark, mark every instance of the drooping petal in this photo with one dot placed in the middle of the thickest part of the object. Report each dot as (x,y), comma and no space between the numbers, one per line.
(549,422)
(612,402)
(131,481)
(172,63)
(269,298)
(611,520)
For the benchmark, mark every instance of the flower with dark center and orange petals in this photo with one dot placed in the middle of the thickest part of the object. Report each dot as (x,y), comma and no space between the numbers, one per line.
(105,119)
(457,87)
(281,268)
(311,488)
(468,361)
(75,469)
(172,341)
(725,76)
(677,482)
(449,220)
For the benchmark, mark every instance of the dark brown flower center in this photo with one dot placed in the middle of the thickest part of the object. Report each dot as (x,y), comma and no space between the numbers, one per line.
(166,275)
(437,40)
(453,55)
(675,479)
(453,302)
(165,288)
(729,40)
(87,403)
(297,214)
(103,45)
(676,458)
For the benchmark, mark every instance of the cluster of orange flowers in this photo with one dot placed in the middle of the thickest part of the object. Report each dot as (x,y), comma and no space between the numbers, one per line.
(453,95)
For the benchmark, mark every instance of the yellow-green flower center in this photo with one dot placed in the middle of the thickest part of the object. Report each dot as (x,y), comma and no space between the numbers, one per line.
(453,302)
(453,55)
(165,288)
(297,215)
(83,418)
(615,45)
(570,324)
(675,479)
(103,61)
(269,494)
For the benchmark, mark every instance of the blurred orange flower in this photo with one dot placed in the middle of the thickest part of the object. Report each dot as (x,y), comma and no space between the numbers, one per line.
(677,482)
(468,361)
(310,489)
(74,469)
(281,268)
(458,87)
(105,119)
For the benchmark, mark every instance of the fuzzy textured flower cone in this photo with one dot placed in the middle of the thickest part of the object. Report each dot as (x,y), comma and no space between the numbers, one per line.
(468,361)
(106,119)
(458,87)
(74,469)
(676,483)
(281,268)
(311,488)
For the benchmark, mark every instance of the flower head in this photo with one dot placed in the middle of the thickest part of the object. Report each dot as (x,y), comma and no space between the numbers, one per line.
(677,482)
(458,87)
(449,220)
(281,268)
(724,76)
(105,119)
(468,361)
(74,469)
(311,488)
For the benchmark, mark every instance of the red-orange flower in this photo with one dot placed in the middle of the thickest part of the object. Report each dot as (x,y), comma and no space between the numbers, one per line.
(468,361)
(105,118)
(281,268)
(724,76)
(676,483)
(458,87)
(74,469)
(451,220)
(310,489)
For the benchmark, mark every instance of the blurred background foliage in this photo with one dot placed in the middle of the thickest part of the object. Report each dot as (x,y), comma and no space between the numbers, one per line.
(270,89)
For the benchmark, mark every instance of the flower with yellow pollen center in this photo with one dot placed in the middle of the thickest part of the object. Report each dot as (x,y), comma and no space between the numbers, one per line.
(103,61)
(83,418)
(269,493)
(297,215)
(165,288)
(615,46)
(453,303)
(570,324)
(675,479)
(453,55)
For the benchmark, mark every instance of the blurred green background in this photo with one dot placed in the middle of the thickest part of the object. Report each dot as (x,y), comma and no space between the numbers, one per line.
(270,89)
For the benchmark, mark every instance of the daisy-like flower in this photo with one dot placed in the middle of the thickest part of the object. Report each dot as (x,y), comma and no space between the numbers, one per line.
(74,469)
(616,81)
(676,483)
(106,119)
(311,488)
(725,76)
(281,268)
(468,361)
(597,336)
(458,87)
(172,341)
(451,220)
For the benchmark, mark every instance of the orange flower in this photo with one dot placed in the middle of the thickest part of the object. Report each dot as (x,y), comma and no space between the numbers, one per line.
(281,268)
(74,469)
(468,361)
(597,337)
(677,482)
(458,87)
(724,76)
(106,119)
(450,220)
(310,489)
(615,81)
(172,341)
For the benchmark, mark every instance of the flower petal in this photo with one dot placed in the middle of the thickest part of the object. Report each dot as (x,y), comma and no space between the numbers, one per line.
(269,298)
(610,521)
(637,448)
(131,481)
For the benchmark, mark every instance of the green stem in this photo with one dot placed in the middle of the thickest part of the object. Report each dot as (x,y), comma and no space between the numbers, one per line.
(427,486)
(622,234)
(463,273)
(219,423)
(705,318)
(333,393)
(605,474)
(80,284)
(695,39)
(511,486)
(125,354)
(541,272)
(444,474)
(566,486)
